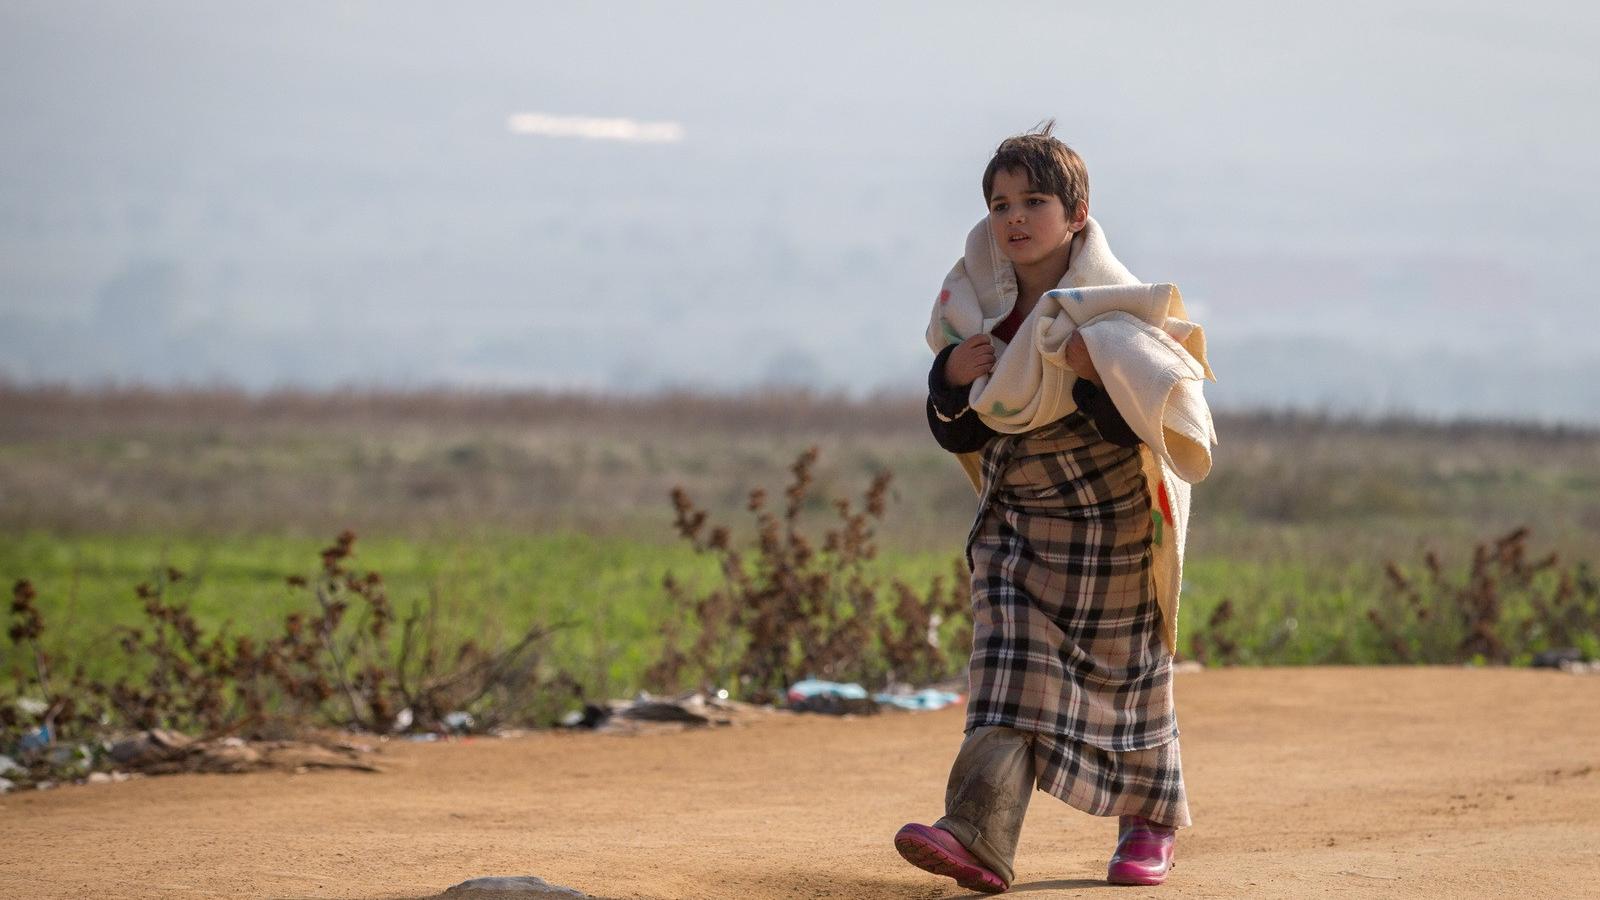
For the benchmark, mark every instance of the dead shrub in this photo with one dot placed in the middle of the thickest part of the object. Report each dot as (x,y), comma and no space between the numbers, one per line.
(336,662)
(1506,607)
(790,606)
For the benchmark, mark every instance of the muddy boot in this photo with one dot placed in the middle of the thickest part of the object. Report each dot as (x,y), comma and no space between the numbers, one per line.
(991,782)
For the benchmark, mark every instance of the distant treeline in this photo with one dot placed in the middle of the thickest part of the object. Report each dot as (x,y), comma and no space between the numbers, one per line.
(24,408)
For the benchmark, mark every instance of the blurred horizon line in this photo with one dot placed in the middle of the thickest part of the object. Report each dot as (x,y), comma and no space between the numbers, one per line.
(393,398)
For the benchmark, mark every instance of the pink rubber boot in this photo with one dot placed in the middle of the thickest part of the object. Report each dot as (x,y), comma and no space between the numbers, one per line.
(936,850)
(1144,852)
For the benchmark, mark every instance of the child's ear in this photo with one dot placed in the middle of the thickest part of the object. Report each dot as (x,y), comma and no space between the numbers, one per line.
(1080,217)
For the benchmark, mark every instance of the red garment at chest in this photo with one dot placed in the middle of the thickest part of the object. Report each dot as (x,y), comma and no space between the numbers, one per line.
(1007,329)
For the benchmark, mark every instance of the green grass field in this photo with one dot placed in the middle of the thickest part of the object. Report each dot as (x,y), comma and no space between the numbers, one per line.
(606,591)
(511,511)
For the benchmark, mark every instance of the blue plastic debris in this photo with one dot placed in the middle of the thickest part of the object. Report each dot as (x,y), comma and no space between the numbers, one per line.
(812,687)
(927,698)
(36,740)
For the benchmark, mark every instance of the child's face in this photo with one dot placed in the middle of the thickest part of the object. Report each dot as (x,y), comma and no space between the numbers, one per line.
(1028,225)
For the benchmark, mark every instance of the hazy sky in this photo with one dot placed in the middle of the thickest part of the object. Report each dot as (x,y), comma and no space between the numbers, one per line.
(1370,205)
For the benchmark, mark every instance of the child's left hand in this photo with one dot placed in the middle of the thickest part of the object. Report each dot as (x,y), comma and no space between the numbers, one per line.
(1078,359)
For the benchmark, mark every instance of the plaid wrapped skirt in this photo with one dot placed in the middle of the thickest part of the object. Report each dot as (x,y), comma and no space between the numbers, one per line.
(1066,630)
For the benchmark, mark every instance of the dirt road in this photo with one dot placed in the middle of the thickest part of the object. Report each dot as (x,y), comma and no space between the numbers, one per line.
(1303,782)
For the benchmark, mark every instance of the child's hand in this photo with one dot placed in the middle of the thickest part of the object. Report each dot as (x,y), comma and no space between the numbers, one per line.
(1078,359)
(971,358)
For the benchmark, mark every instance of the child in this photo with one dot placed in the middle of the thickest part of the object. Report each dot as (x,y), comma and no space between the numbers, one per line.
(1070,675)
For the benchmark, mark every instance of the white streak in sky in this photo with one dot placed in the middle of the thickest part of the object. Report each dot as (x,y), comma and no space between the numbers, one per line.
(595,129)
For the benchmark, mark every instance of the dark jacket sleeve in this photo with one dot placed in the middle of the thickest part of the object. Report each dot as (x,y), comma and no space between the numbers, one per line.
(1107,418)
(964,433)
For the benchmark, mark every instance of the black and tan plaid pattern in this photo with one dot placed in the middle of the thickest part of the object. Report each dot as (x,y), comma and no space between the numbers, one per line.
(1145,783)
(1066,631)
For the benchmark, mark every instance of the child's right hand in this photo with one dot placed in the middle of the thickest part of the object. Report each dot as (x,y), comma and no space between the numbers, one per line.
(971,358)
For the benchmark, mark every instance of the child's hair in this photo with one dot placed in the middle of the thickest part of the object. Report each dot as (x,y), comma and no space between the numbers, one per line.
(1052,167)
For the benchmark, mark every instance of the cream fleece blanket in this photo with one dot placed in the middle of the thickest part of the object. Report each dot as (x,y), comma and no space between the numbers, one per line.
(1150,357)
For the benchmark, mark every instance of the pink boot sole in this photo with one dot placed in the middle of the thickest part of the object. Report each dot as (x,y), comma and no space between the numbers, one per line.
(936,850)
(1128,876)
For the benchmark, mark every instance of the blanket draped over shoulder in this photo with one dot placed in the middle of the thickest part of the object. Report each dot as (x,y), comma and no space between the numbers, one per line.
(1150,357)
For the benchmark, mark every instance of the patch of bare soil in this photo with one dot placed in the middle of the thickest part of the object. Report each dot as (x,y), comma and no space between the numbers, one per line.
(1303,782)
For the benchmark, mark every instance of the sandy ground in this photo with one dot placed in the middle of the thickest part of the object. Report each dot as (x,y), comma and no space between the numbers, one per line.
(1303,782)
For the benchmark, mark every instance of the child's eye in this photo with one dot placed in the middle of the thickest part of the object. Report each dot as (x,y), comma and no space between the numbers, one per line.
(1035,201)
(999,207)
